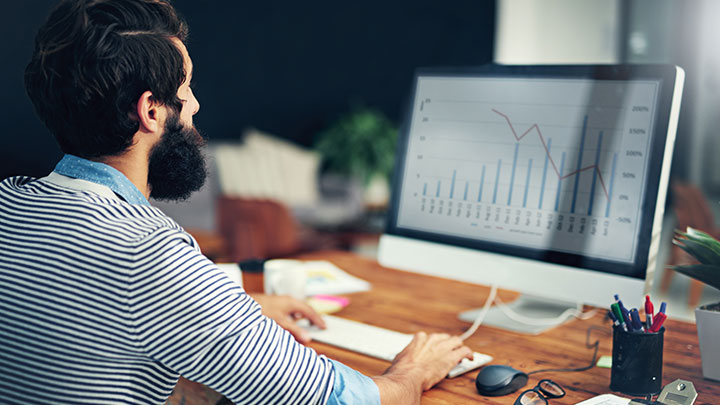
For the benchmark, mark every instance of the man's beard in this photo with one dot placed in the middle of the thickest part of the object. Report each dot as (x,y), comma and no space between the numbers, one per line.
(177,165)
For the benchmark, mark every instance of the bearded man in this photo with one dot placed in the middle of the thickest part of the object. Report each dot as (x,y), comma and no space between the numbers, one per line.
(105,299)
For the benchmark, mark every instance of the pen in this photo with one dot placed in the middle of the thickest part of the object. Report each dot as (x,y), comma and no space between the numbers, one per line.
(622,306)
(663,306)
(626,317)
(636,322)
(612,316)
(658,320)
(648,312)
(618,314)
(624,311)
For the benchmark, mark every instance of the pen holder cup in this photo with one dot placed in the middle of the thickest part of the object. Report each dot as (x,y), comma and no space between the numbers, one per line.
(637,360)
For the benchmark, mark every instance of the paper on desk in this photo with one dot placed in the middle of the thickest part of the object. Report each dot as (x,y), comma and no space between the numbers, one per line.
(605,399)
(326,278)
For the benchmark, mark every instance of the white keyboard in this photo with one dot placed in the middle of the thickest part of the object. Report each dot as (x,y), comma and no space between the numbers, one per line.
(376,342)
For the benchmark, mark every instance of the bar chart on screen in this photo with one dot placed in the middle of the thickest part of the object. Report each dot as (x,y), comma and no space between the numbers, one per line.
(554,163)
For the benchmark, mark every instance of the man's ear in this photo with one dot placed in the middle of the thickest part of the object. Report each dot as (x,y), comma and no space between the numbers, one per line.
(148,113)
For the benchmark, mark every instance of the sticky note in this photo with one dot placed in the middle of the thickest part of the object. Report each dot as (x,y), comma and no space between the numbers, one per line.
(327,304)
(604,362)
(333,298)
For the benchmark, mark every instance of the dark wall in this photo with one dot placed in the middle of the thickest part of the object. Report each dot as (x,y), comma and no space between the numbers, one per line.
(26,147)
(285,67)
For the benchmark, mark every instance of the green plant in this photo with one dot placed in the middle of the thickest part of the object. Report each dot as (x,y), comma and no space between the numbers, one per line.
(706,250)
(360,144)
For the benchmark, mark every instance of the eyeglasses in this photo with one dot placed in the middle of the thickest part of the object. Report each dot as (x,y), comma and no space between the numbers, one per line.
(539,395)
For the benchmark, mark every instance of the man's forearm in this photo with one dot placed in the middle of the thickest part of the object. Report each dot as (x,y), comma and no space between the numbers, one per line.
(397,388)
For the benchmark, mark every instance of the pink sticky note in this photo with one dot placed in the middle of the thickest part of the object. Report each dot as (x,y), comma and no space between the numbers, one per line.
(342,301)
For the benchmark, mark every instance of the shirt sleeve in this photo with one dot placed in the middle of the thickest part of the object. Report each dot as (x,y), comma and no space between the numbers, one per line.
(189,317)
(352,387)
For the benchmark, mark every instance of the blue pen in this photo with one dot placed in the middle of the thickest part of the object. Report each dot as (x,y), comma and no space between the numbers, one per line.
(626,317)
(663,307)
(612,316)
(636,322)
(622,306)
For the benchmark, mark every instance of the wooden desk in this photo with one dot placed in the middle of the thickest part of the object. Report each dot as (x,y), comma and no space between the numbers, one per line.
(409,302)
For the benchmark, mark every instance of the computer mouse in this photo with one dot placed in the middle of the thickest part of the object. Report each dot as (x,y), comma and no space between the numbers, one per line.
(496,380)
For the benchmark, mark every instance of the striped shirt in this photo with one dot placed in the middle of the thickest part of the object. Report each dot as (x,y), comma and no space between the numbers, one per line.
(103,301)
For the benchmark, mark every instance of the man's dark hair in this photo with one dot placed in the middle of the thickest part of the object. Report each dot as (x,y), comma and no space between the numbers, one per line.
(93,59)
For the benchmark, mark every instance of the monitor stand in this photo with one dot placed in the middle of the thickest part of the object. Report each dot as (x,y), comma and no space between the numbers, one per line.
(527,306)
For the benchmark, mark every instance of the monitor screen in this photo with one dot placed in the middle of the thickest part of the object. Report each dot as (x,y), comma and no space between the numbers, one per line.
(559,164)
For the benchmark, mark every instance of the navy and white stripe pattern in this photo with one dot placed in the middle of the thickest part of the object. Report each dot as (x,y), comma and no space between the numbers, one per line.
(105,302)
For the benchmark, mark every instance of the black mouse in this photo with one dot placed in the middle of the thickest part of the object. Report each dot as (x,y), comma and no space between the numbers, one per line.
(497,380)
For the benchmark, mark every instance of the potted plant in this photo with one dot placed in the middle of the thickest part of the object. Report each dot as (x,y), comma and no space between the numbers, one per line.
(706,250)
(361,144)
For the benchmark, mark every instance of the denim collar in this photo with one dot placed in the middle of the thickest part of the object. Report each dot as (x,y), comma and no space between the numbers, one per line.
(100,173)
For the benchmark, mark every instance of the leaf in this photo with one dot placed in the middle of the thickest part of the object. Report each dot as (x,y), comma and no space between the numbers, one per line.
(709,275)
(698,233)
(700,236)
(700,251)
(697,240)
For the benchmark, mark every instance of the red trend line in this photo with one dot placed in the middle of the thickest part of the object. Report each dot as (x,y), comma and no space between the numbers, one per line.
(537,129)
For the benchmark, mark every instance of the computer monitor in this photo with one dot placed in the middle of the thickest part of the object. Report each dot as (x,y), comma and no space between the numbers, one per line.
(547,180)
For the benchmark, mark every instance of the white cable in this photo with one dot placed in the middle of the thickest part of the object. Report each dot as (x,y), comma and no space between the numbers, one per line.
(584,316)
(569,313)
(481,316)
(510,313)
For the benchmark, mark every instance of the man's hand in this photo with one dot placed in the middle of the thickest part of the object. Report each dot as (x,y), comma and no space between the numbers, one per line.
(421,365)
(286,310)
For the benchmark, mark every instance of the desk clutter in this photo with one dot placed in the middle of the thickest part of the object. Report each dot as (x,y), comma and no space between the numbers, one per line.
(678,392)
(302,279)
(637,355)
(637,359)
(316,281)
(681,358)
(636,366)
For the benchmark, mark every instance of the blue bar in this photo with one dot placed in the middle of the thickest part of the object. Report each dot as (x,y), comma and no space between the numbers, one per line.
(425,189)
(595,172)
(527,183)
(579,165)
(562,167)
(482,182)
(452,185)
(610,192)
(497,179)
(512,176)
(542,187)
(466,189)
(437,192)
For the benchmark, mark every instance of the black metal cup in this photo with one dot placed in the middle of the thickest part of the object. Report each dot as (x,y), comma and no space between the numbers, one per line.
(637,359)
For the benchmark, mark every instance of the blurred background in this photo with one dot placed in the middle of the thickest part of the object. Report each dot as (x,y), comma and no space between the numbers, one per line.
(302,102)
